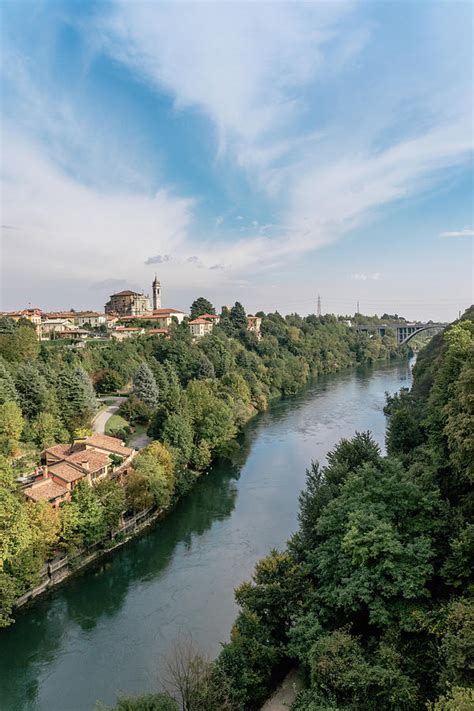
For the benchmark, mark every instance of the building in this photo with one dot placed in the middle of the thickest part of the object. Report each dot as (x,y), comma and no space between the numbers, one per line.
(33,315)
(128,303)
(214,318)
(156,288)
(166,316)
(160,318)
(65,465)
(200,327)
(53,326)
(254,324)
(76,334)
(94,319)
(120,333)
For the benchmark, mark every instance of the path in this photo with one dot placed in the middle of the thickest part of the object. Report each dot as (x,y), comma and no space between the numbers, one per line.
(100,420)
(139,441)
(284,696)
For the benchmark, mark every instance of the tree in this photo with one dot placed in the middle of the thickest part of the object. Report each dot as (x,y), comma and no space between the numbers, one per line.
(112,497)
(7,385)
(145,387)
(11,426)
(178,435)
(109,380)
(343,674)
(191,678)
(48,430)
(21,345)
(83,519)
(32,390)
(201,306)
(138,494)
(238,317)
(156,464)
(212,418)
(76,398)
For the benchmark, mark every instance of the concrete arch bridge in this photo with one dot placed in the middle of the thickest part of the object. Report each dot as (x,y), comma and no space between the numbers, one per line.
(404,331)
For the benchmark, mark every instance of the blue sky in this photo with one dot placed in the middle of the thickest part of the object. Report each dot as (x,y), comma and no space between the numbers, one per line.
(261,152)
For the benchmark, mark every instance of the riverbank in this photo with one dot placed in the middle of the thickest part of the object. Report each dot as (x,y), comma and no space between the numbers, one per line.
(61,569)
(115,624)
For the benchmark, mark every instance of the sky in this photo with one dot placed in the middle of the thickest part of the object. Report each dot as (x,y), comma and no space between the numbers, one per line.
(250,151)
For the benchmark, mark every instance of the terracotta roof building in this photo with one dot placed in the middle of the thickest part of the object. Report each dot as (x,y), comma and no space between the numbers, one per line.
(47,490)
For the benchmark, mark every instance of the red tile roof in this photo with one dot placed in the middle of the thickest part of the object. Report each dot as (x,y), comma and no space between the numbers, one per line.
(59,450)
(95,460)
(65,471)
(198,321)
(111,444)
(127,292)
(45,490)
(163,312)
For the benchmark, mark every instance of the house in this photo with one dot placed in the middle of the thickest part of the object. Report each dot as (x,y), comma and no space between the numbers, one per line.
(162,318)
(45,489)
(167,316)
(123,332)
(107,445)
(52,326)
(200,327)
(214,318)
(65,465)
(78,334)
(33,315)
(94,319)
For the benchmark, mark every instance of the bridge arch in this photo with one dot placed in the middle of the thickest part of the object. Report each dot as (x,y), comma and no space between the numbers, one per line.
(427,327)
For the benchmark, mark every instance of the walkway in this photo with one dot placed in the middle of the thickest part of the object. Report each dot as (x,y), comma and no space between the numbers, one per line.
(100,420)
(285,694)
(139,441)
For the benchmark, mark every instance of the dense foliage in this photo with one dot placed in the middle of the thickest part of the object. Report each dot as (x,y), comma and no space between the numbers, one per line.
(372,598)
(193,397)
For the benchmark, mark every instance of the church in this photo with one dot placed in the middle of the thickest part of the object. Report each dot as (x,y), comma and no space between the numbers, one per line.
(134,303)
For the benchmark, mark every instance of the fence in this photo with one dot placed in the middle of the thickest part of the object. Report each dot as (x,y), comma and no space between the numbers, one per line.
(57,569)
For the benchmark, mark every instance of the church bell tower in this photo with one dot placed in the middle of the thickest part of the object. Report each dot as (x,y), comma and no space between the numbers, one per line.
(156,287)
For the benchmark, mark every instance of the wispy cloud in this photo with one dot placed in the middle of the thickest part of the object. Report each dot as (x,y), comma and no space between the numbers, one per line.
(322,178)
(465,232)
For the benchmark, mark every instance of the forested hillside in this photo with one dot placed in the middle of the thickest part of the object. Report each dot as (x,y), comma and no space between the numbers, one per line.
(192,397)
(372,598)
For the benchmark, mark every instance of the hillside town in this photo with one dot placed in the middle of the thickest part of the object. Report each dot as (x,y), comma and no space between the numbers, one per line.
(127,314)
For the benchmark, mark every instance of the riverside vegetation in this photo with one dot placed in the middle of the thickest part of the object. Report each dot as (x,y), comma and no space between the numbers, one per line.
(193,397)
(372,598)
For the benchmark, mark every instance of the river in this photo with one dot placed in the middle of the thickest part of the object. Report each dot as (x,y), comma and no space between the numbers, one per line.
(110,628)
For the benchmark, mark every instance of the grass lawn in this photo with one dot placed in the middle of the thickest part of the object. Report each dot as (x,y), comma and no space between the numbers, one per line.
(115,423)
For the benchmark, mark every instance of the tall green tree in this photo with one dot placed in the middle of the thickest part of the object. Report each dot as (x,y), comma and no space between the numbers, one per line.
(76,398)
(32,390)
(11,427)
(7,385)
(145,387)
(238,317)
(201,306)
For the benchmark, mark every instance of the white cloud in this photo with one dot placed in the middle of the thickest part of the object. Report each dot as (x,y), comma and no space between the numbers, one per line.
(242,64)
(65,229)
(465,232)
(252,67)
